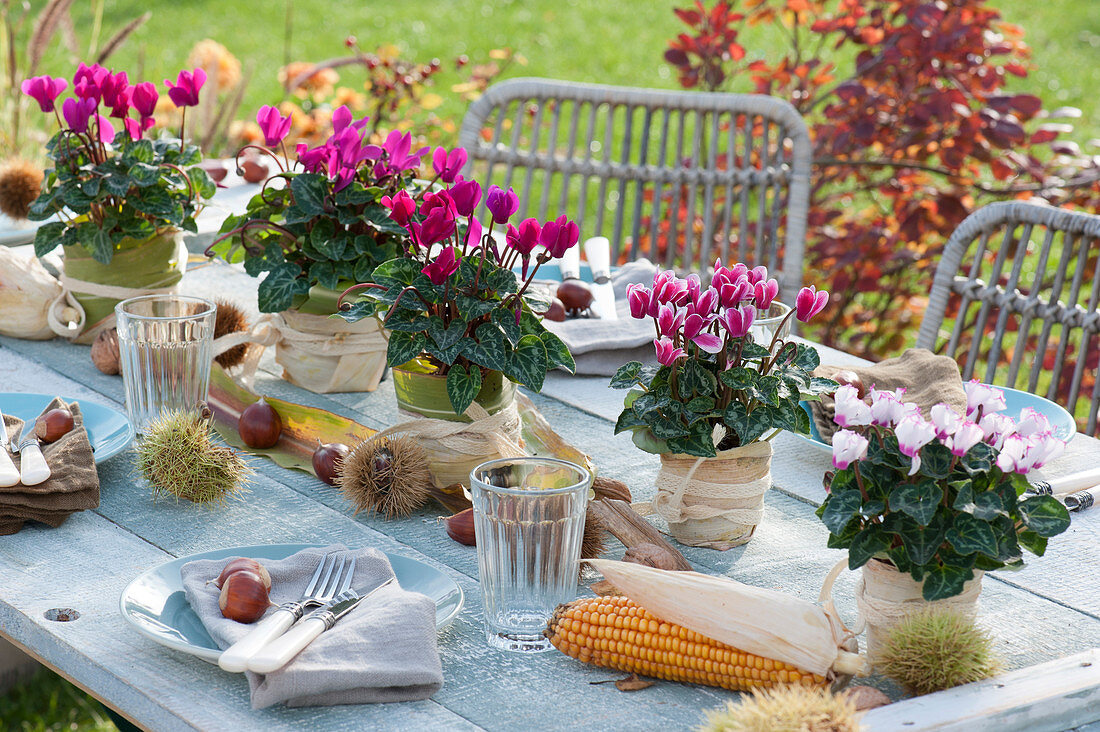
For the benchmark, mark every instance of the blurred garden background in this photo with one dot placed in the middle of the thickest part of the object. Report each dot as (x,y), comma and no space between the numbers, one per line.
(1026,73)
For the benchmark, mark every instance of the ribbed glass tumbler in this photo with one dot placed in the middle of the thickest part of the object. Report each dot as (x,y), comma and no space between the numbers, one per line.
(165,346)
(529,521)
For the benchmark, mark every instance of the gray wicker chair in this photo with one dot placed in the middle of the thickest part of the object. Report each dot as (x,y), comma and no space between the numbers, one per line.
(1032,287)
(623,161)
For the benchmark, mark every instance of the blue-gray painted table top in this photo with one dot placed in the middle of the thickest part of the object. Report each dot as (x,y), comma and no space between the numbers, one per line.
(1046,611)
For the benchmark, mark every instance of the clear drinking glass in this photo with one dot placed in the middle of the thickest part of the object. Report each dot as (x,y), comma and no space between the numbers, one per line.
(165,346)
(528,520)
(764,327)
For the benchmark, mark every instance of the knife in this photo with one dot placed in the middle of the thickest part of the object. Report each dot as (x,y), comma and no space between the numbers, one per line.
(597,251)
(32,464)
(570,264)
(1066,483)
(9,474)
(283,649)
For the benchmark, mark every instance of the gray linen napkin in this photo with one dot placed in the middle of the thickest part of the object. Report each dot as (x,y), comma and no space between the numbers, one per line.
(600,347)
(382,651)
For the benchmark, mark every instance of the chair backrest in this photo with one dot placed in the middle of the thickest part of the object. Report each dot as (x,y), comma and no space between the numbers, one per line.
(717,175)
(1020,283)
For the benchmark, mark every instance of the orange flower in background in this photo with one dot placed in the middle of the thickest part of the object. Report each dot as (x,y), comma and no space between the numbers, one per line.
(222,67)
(320,83)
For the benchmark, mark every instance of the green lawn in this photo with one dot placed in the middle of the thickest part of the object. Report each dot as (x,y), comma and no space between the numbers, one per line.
(581,40)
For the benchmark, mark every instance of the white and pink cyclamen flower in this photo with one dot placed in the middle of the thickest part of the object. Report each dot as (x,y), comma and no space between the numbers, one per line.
(851,411)
(913,433)
(886,408)
(945,419)
(965,437)
(848,447)
(984,397)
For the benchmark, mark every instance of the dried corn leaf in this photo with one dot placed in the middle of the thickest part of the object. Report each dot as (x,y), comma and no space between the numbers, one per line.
(763,622)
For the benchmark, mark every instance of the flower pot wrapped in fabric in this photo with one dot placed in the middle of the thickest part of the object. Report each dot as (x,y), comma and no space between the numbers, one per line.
(716,397)
(121,200)
(714,502)
(454,452)
(326,354)
(151,266)
(926,506)
(885,596)
(463,325)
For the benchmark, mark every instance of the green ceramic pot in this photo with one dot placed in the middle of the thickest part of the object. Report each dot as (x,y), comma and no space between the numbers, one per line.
(423,392)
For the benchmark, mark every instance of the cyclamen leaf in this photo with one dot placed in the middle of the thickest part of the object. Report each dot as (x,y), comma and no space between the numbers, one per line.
(1045,515)
(463,384)
(919,500)
(968,535)
(276,292)
(557,353)
(404,347)
(144,175)
(625,377)
(48,237)
(309,191)
(396,272)
(506,321)
(838,510)
(696,379)
(445,336)
(492,348)
(754,352)
(921,542)
(698,443)
(528,362)
(738,377)
(944,581)
(628,420)
(867,543)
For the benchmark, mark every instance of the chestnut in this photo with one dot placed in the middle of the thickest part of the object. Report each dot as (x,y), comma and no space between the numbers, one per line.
(260,425)
(460,527)
(253,171)
(243,564)
(556,311)
(575,295)
(244,597)
(53,425)
(328,458)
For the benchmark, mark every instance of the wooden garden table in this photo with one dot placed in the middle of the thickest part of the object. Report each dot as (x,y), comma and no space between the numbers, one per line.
(1048,611)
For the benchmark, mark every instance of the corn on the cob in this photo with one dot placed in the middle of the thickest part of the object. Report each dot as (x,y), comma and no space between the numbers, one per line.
(616,632)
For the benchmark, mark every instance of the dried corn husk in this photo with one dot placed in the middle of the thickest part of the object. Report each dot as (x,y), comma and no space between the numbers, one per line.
(762,622)
(26,291)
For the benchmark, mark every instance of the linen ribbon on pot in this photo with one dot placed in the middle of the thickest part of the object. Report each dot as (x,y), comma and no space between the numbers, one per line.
(716,396)
(113,191)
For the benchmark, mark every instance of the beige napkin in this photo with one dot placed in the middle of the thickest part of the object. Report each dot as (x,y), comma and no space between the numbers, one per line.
(927,378)
(73,484)
(382,651)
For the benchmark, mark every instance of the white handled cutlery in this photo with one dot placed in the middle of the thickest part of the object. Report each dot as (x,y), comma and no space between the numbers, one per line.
(597,251)
(32,463)
(283,649)
(9,474)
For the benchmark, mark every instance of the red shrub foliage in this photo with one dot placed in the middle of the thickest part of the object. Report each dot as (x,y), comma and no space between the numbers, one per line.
(912,130)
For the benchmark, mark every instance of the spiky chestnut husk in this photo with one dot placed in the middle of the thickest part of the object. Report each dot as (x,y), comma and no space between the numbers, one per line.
(230,319)
(389,476)
(793,708)
(936,649)
(178,457)
(20,184)
(594,540)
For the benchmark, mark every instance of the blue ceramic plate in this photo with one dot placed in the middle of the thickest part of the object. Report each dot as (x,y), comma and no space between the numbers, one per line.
(108,429)
(1016,402)
(155,603)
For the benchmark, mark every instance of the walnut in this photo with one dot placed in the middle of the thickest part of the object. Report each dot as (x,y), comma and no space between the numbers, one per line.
(610,488)
(105,352)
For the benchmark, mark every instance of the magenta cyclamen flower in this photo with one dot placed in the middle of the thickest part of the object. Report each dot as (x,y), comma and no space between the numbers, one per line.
(438,200)
(144,97)
(732,293)
(185,92)
(443,267)
(640,298)
(669,289)
(558,235)
(436,227)
(737,321)
(117,91)
(88,80)
(273,125)
(757,274)
(77,112)
(473,238)
(313,159)
(45,90)
(502,204)
(848,447)
(764,292)
(524,238)
(809,303)
(342,119)
(401,207)
(705,303)
(466,195)
(448,165)
(666,352)
(694,325)
(106,130)
(398,158)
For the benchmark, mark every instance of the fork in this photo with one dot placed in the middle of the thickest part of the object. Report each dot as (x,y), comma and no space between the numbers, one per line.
(329,579)
(9,474)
